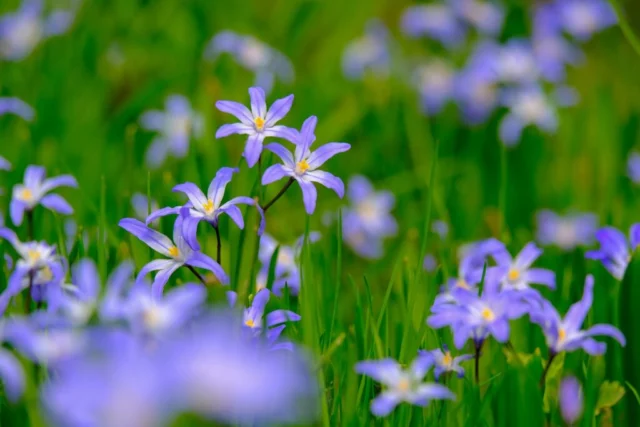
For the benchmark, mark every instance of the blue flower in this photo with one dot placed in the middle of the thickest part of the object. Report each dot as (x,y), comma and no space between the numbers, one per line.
(615,251)
(369,53)
(475,86)
(527,106)
(177,251)
(566,334)
(444,362)
(434,81)
(175,126)
(517,272)
(302,166)
(34,191)
(571,399)
(567,232)
(16,106)
(582,18)
(266,62)
(402,385)
(438,21)
(259,123)
(633,167)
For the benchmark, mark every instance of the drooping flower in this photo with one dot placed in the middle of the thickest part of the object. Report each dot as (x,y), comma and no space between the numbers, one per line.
(259,122)
(369,53)
(444,362)
(177,251)
(16,106)
(263,60)
(402,385)
(583,18)
(303,165)
(38,265)
(567,232)
(571,399)
(208,207)
(517,272)
(21,31)
(367,220)
(565,334)
(633,167)
(35,191)
(175,126)
(615,250)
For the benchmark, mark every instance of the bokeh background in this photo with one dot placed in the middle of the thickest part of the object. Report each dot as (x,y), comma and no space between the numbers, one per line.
(90,86)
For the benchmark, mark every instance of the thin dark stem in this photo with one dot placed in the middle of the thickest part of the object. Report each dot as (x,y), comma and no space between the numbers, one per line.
(198,275)
(552,356)
(284,189)
(219,246)
(478,347)
(27,299)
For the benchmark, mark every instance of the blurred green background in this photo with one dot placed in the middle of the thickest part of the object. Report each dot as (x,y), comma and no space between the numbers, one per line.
(122,57)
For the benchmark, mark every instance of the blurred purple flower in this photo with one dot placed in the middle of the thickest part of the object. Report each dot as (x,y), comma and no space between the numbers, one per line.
(438,21)
(571,399)
(567,232)
(430,263)
(441,228)
(583,18)
(175,126)
(178,252)
(515,62)
(434,81)
(208,207)
(33,192)
(633,167)
(485,16)
(16,106)
(444,362)
(368,220)
(142,207)
(302,166)
(402,385)
(23,30)
(4,164)
(615,252)
(475,86)
(517,274)
(369,53)
(11,372)
(266,62)
(565,334)
(259,123)
(527,106)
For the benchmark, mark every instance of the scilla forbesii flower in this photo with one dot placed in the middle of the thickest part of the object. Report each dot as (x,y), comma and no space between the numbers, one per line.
(567,232)
(302,166)
(259,122)
(402,385)
(369,53)
(35,191)
(16,106)
(582,18)
(565,334)
(444,362)
(518,274)
(615,251)
(208,207)
(178,254)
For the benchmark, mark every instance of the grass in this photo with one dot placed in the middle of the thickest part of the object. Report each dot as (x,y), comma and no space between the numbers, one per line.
(88,106)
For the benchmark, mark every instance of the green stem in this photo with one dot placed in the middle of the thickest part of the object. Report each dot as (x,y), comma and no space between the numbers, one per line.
(280,193)
(198,275)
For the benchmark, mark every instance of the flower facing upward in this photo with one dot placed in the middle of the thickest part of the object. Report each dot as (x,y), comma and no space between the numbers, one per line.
(615,251)
(303,164)
(565,334)
(34,191)
(518,274)
(444,362)
(402,385)
(259,122)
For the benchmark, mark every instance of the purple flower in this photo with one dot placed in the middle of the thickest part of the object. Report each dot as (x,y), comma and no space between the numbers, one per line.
(515,62)
(444,362)
(633,167)
(4,164)
(368,218)
(441,228)
(266,62)
(430,263)
(37,259)
(582,18)
(34,191)
(21,31)
(368,53)
(208,207)
(142,207)
(517,272)
(402,385)
(12,375)
(259,123)
(485,16)
(434,81)
(565,334)
(438,21)
(615,252)
(302,166)
(177,251)
(478,316)
(527,106)
(475,86)
(175,126)
(16,106)
(567,232)
(571,400)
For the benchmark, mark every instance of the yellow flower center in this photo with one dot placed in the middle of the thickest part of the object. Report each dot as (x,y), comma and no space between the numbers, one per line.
(301,167)
(562,334)
(462,284)
(208,206)
(259,122)
(249,323)
(488,314)
(447,359)
(33,255)
(26,194)
(46,274)
(404,385)
(174,251)
(513,275)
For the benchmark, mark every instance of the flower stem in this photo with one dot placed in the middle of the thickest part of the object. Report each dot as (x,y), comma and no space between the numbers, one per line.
(282,191)
(552,356)
(27,299)
(219,244)
(478,347)
(198,275)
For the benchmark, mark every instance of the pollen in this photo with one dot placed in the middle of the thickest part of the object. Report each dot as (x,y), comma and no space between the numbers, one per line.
(513,275)
(488,315)
(249,323)
(33,255)
(259,122)
(562,334)
(301,167)
(174,251)
(208,206)
(447,359)
(26,194)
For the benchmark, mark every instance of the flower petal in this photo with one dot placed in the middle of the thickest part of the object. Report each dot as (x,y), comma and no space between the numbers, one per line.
(577,312)
(235,214)
(155,240)
(327,151)
(280,151)
(59,181)
(385,371)
(161,279)
(284,132)
(200,260)
(253,149)
(16,211)
(273,174)
(607,330)
(162,212)
(258,102)
(33,176)
(278,110)
(234,128)
(195,195)
(328,180)
(56,203)
(218,185)
(281,316)
(155,265)
(238,110)
(309,195)
(190,231)
(384,404)
(527,256)
(541,276)
(12,376)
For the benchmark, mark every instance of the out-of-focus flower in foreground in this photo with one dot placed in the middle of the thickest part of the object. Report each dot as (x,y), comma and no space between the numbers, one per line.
(444,362)
(567,232)
(615,250)
(571,400)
